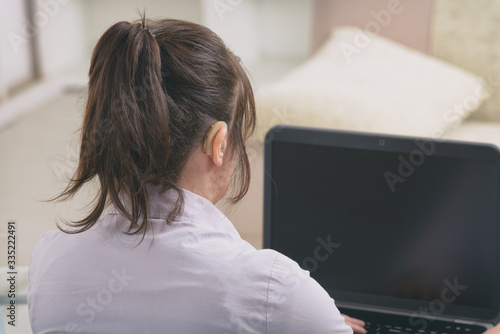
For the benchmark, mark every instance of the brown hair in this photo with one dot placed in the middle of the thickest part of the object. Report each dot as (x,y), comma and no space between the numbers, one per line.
(155,88)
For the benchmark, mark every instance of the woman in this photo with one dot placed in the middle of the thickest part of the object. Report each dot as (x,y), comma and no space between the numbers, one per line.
(168,112)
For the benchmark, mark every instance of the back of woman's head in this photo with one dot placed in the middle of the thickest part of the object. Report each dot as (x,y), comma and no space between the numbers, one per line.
(155,88)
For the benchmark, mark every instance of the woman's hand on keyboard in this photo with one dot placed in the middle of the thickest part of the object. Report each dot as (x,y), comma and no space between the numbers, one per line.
(358,325)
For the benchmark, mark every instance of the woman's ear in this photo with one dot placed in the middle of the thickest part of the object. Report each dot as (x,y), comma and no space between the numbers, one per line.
(219,146)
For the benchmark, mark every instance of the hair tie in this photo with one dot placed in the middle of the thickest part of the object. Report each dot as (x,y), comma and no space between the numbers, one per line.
(149,31)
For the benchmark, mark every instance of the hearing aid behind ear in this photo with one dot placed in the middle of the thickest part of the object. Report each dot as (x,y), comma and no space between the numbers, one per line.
(209,137)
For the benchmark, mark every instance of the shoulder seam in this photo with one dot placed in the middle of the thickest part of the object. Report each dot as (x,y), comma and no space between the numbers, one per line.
(268,287)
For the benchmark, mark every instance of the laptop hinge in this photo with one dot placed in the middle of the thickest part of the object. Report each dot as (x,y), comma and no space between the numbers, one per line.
(403,313)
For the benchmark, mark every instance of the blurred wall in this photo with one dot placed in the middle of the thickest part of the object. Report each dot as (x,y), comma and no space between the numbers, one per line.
(60,30)
(262,29)
(406,22)
(15,58)
(99,14)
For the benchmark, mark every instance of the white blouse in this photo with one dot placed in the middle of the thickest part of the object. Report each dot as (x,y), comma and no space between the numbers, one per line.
(195,275)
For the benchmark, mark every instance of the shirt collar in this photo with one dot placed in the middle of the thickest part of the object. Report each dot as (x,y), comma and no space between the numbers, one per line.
(196,208)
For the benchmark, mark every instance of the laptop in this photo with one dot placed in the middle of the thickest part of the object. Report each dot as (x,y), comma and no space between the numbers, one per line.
(404,233)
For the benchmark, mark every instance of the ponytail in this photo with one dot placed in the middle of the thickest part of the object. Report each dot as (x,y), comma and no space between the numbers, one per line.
(125,134)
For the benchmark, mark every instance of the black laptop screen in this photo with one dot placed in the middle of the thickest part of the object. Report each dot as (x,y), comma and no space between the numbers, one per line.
(380,223)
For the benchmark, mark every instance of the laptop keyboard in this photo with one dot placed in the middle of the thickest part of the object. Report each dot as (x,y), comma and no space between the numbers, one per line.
(381,323)
(373,328)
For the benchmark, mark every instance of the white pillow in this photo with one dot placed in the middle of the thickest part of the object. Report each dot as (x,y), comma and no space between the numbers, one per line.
(363,82)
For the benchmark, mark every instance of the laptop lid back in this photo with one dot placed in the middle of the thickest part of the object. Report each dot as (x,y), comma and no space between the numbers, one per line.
(386,221)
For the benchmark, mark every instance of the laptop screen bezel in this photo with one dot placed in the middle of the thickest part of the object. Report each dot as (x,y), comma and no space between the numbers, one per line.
(386,143)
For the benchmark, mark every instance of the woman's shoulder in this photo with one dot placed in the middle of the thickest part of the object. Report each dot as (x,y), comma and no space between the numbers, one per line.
(285,275)
(55,243)
(296,301)
(47,238)
(278,264)
(52,236)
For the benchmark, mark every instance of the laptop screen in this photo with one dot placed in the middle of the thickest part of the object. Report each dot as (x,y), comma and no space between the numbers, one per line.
(385,220)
